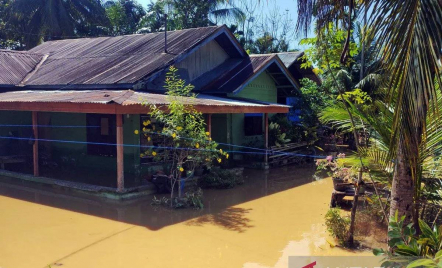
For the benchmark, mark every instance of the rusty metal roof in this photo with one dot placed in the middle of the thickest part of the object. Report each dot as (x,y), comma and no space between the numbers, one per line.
(121,97)
(114,60)
(15,66)
(235,79)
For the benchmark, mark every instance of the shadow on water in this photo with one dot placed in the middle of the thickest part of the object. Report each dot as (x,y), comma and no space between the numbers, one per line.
(218,204)
(233,219)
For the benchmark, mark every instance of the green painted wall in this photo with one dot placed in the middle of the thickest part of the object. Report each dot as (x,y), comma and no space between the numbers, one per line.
(73,153)
(262,88)
(15,146)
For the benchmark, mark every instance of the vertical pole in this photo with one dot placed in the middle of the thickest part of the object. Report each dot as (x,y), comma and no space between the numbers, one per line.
(266,137)
(209,124)
(165,33)
(120,154)
(35,146)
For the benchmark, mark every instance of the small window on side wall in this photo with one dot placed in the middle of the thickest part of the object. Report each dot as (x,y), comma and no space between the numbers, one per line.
(253,124)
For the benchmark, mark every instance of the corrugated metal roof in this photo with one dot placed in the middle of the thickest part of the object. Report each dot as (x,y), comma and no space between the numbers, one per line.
(122,97)
(113,60)
(15,65)
(292,60)
(229,81)
(61,96)
(233,80)
(288,58)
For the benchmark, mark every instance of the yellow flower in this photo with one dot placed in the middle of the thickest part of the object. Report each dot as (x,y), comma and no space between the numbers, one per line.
(179,128)
(207,159)
(210,139)
(227,156)
(136,132)
(149,139)
(154,153)
(141,155)
(219,160)
(197,145)
(174,135)
(146,123)
(221,150)
(207,133)
(181,169)
(144,129)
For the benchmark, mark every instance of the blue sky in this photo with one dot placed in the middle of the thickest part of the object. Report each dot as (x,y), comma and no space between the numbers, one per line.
(283,5)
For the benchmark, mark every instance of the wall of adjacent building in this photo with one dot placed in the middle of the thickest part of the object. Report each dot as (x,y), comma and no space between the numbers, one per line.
(262,88)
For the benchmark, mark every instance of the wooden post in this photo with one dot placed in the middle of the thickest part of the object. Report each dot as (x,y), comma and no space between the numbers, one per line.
(120,154)
(35,146)
(209,124)
(266,137)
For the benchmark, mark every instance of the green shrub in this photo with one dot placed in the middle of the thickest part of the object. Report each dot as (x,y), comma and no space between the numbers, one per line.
(193,199)
(220,179)
(405,241)
(337,225)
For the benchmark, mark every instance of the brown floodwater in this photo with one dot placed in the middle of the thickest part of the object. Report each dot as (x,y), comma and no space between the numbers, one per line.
(274,215)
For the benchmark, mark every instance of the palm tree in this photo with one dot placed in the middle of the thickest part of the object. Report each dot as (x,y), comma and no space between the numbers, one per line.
(124,16)
(409,42)
(56,19)
(197,13)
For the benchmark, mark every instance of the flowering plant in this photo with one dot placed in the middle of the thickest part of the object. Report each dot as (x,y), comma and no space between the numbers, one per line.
(186,144)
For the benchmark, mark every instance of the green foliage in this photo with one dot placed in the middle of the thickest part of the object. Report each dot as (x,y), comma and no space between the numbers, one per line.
(186,143)
(326,52)
(192,199)
(117,17)
(124,16)
(276,136)
(356,96)
(220,179)
(315,99)
(404,242)
(195,13)
(268,43)
(153,21)
(57,19)
(337,225)
(295,132)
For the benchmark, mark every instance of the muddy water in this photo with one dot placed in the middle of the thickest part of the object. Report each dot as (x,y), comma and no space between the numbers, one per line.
(259,224)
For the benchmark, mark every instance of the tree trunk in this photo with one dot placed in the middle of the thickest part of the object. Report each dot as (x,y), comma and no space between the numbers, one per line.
(402,190)
(350,239)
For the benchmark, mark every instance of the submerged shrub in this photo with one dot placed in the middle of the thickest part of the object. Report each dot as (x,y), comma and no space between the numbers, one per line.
(337,225)
(220,179)
(193,199)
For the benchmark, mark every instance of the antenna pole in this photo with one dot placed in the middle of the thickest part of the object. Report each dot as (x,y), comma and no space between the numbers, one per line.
(165,33)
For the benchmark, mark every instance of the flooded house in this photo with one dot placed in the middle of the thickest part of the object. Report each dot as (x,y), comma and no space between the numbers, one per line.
(69,108)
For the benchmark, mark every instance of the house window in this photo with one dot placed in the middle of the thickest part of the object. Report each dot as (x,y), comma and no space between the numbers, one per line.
(253,124)
(101,130)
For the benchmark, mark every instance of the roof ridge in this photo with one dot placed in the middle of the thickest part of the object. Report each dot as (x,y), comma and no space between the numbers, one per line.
(134,34)
(123,97)
(25,52)
(34,70)
(263,55)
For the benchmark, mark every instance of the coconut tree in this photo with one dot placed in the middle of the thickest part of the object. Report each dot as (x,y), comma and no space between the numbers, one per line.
(56,19)
(409,42)
(196,13)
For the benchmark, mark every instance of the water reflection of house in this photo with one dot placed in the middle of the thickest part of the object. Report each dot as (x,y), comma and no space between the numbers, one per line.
(97,87)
